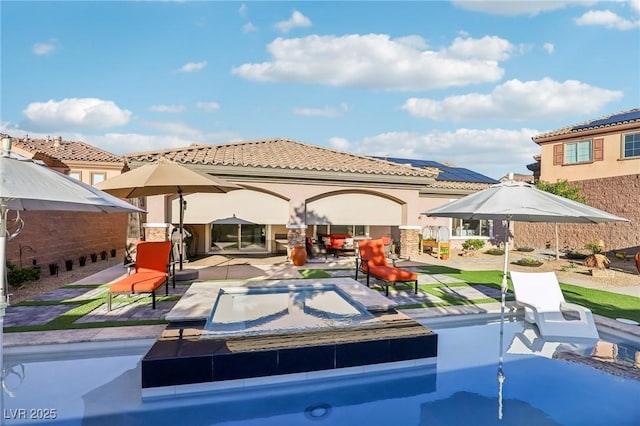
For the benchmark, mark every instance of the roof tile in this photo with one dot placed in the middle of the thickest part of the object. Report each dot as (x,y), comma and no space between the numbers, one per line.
(67,150)
(281,154)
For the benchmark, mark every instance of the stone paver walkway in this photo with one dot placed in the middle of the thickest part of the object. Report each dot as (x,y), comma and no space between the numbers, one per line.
(126,309)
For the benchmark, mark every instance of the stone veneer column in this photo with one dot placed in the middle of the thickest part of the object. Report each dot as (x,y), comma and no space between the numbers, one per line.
(156,231)
(409,241)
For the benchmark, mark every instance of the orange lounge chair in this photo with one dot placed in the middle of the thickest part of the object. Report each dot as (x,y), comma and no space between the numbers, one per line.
(373,261)
(151,271)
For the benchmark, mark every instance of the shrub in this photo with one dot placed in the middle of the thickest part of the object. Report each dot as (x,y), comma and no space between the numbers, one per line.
(473,244)
(528,261)
(525,249)
(495,251)
(17,275)
(595,246)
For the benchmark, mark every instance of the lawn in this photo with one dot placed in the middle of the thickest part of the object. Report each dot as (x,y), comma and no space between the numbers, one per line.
(604,303)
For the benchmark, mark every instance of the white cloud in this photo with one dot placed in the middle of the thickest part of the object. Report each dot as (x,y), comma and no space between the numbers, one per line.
(490,48)
(297,20)
(167,108)
(514,8)
(208,106)
(176,128)
(376,61)
(493,152)
(87,113)
(549,47)
(606,18)
(327,112)
(635,6)
(249,28)
(47,48)
(516,100)
(242,10)
(341,144)
(193,66)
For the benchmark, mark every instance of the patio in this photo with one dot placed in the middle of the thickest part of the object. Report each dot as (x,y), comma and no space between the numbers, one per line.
(48,317)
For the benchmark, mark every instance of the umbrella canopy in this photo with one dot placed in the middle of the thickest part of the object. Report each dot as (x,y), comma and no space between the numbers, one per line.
(521,202)
(165,177)
(233,220)
(29,185)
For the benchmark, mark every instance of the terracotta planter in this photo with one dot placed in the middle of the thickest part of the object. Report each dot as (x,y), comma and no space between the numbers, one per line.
(299,255)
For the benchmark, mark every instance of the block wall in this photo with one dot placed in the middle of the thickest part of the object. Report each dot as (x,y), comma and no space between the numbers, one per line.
(53,237)
(617,195)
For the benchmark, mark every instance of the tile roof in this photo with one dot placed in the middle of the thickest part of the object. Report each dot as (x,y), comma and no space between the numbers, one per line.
(622,117)
(66,150)
(447,172)
(282,154)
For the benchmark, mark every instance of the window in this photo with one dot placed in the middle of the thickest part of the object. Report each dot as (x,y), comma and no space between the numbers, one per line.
(470,228)
(97,178)
(631,146)
(577,152)
(76,175)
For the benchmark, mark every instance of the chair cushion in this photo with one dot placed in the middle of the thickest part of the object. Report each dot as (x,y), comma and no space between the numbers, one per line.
(390,273)
(141,282)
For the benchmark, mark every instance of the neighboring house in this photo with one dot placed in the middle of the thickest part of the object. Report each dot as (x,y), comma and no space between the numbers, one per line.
(292,190)
(54,237)
(602,157)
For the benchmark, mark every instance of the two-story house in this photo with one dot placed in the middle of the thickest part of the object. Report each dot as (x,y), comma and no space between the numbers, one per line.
(602,157)
(55,237)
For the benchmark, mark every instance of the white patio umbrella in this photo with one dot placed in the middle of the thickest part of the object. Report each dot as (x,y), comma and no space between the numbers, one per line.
(165,177)
(29,185)
(518,201)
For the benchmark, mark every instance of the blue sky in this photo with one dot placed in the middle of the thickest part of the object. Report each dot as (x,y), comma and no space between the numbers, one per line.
(468,83)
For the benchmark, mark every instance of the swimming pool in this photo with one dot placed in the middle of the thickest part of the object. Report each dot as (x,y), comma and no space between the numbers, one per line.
(100,385)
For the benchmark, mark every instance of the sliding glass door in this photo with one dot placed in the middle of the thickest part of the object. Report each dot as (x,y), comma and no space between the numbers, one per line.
(238,238)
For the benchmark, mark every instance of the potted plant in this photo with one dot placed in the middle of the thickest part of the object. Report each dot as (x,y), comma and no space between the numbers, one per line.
(103,255)
(53,269)
(94,257)
(68,264)
(82,260)
(113,252)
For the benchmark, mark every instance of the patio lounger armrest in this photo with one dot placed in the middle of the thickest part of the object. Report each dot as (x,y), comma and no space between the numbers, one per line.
(583,312)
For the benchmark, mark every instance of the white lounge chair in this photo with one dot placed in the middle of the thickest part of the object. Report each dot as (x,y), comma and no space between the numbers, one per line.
(544,305)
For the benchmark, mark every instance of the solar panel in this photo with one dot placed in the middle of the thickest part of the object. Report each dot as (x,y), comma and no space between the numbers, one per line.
(612,119)
(448,173)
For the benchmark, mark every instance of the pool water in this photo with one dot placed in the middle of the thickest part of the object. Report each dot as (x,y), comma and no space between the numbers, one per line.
(102,387)
(262,310)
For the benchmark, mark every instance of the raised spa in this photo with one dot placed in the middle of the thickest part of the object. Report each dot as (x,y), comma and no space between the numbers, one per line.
(225,332)
(264,310)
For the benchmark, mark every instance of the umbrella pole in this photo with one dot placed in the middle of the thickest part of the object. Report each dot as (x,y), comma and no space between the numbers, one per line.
(503,286)
(3,279)
(181,224)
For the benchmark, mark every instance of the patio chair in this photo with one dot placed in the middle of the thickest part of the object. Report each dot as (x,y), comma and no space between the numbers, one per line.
(153,261)
(372,260)
(638,261)
(544,305)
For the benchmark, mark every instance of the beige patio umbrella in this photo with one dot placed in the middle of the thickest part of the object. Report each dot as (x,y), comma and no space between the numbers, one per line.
(165,177)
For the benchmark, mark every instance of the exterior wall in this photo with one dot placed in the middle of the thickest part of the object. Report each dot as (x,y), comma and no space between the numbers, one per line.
(612,163)
(618,195)
(57,236)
